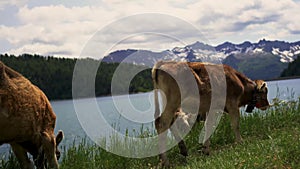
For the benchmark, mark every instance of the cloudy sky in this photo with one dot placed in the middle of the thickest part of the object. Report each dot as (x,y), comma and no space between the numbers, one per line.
(67,28)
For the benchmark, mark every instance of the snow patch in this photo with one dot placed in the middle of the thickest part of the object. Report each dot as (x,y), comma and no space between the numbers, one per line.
(285,56)
(258,50)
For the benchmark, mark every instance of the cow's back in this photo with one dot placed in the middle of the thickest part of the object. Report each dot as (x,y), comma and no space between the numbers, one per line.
(223,81)
(218,85)
(25,110)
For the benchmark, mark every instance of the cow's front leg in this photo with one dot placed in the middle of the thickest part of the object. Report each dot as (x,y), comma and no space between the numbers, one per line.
(39,159)
(235,124)
(22,157)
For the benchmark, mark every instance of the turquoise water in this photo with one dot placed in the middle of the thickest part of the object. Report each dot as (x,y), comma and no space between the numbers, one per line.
(284,89)
(141,105)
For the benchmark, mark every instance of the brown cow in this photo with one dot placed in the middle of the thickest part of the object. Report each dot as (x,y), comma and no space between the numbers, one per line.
(228,88)
(27,121)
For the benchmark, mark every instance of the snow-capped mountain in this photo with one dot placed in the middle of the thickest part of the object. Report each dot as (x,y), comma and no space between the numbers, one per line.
(287,52)
(273,55)
(198,51)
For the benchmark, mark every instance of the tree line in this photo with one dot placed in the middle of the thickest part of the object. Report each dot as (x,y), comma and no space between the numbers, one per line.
(54,75)
(293,68)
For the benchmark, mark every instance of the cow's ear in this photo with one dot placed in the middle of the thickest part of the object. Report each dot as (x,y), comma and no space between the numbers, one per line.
(260,85)
(59,137)
(263,86)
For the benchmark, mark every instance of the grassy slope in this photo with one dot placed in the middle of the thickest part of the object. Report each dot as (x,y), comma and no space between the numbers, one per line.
(271,140)
(280,150)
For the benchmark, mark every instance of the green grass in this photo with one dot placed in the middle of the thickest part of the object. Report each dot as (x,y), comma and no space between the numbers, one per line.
(271,139)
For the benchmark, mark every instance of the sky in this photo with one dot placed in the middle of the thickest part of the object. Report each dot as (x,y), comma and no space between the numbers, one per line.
(90,28)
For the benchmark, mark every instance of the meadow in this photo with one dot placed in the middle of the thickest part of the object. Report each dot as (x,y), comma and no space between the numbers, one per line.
(271,139)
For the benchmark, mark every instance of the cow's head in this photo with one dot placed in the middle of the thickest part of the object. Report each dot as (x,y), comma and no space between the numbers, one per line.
(261,95)
(58,139)
(43,160)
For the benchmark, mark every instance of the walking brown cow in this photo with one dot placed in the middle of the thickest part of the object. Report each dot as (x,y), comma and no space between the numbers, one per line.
(175,81)
(27,121)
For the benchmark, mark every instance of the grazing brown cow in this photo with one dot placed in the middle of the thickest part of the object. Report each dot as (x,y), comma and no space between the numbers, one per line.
(27,121)
(175,81)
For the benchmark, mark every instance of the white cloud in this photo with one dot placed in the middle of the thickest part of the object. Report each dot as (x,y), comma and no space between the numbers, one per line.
(18,3)
(64,30)
(248,19)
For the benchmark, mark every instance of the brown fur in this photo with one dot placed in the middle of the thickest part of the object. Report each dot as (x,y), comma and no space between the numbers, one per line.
(239,92)
(27,120)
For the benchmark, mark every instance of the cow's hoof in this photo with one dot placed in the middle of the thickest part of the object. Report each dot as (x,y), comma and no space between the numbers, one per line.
(184,153)
(205,151)
(183,160)
(238,141)
(165,164)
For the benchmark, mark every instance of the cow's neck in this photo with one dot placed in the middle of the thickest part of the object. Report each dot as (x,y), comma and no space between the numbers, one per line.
(247,97)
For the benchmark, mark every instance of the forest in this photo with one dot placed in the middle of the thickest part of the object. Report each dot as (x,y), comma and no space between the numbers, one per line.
(293,69)
(54,75)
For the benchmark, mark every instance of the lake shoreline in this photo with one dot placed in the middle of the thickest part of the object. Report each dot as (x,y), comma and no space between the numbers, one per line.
(109,95)
(283,78)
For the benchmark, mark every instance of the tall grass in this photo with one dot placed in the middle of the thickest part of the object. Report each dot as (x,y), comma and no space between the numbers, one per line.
(9,161)
(271,139)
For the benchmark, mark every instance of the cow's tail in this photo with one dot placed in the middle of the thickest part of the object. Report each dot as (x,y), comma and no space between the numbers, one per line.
(155,71)
(156,103)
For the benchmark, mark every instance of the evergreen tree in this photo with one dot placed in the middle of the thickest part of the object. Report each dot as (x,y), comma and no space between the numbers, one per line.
(293,68)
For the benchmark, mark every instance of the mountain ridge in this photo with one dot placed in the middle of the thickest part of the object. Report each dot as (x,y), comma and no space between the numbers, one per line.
(274,54)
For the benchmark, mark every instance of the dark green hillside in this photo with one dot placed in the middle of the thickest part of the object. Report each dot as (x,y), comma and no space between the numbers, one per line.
(54,75)
(50,74)
(293,69)
(257,66)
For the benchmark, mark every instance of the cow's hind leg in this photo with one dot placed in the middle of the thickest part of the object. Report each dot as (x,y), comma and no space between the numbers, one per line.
(179,129)
(211,122)
(162,126)
(205,148)
(179,139)
(21,154)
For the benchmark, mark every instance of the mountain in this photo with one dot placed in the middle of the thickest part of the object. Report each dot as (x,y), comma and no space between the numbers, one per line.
(118,56)
(257,65)
(262,60)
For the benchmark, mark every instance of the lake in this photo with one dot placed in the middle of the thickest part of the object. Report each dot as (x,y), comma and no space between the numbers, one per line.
(130,112)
